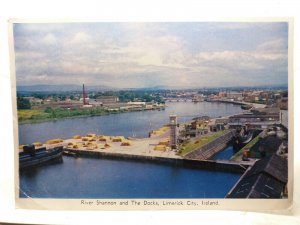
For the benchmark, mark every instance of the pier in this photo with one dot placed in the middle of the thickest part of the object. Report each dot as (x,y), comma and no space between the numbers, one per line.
(218,165)
(144,149)
(255,105)
(156,148)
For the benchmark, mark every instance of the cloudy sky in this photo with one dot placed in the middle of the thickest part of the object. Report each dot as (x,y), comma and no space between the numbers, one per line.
(128,55)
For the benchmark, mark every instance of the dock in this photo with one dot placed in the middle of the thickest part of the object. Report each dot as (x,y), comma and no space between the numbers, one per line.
(155,148)
(217,165)
(141,149)
(255,105)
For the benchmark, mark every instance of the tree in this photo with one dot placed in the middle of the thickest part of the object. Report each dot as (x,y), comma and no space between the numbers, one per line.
(23,103)
(48,110)
(62,97)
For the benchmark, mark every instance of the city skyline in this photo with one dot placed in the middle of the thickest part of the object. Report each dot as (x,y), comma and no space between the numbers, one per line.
(140,55)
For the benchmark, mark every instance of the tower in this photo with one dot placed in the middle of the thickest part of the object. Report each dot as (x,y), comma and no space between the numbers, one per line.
(84,95)
(173,131)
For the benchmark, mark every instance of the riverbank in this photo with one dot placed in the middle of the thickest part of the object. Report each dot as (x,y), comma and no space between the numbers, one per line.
(46,117)
(28,116)
(133,124)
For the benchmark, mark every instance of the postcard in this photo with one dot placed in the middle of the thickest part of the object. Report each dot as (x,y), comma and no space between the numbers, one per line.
(153,115)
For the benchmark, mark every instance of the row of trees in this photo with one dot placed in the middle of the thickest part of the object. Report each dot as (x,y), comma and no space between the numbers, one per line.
(124,96)
(23,103)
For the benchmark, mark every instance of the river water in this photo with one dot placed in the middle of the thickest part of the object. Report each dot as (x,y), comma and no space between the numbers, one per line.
(108,178)
(130,124)
(225,154)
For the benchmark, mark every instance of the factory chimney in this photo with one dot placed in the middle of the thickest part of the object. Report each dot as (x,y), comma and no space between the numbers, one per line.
(84,95)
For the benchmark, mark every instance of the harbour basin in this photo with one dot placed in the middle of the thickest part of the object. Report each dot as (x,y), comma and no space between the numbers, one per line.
(111,178)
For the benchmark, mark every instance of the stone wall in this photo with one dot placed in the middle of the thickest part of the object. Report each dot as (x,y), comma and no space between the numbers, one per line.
(190,163)
(211,148)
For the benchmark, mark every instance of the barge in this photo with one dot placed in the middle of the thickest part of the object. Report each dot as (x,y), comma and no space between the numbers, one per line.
(246,107)
(70,153)
(31,157)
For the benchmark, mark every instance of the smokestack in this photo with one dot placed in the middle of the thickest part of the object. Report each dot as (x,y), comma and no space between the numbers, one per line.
(83,95)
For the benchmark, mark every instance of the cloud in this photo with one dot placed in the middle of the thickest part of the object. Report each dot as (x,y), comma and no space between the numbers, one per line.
(277,45)
(49,39)
(143,54)
(81,38)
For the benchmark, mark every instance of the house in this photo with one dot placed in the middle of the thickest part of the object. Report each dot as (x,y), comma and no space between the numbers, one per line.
(107,99)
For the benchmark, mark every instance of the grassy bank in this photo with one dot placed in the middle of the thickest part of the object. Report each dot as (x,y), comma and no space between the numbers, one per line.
(32,114)
(39,115)
(239,154)
(199,142)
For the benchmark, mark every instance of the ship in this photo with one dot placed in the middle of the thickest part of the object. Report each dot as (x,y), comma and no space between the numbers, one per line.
(70,153)
(246,106)
(31,157)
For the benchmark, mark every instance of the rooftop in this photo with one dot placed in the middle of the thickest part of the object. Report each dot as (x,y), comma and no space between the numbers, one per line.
(270,143)
(266,179)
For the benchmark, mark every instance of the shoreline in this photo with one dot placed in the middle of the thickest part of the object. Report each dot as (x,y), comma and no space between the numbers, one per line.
(35,121)
(105,113)
(255,105)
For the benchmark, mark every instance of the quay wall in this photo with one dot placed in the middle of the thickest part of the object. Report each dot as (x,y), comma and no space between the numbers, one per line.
(211,148)
(191,163)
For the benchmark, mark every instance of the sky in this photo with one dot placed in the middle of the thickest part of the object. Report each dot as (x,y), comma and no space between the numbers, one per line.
(138,55)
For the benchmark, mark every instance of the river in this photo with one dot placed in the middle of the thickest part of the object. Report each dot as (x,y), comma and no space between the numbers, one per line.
(108,178)
(129,124)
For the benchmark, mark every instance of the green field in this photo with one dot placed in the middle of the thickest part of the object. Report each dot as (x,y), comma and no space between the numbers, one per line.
(31,114)
(37,115)
(199,142)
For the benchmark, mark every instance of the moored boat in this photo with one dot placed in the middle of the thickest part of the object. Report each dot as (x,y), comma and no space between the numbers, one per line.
(31,157)
(246,107)
(69,153)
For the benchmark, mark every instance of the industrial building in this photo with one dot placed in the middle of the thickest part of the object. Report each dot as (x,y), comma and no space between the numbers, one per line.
(258,118)
(237,96)
(107,99)
(267,178)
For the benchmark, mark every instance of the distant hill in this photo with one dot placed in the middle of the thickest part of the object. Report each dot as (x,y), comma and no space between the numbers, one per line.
(48,88)
(78,88)
(60,88)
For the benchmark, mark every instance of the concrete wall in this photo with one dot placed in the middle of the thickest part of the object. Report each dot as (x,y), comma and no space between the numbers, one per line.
(199,164)
(211,148)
